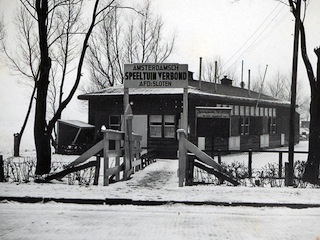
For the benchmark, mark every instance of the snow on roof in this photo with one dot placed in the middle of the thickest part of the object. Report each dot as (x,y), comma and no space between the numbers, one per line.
(118,90)
(76,123)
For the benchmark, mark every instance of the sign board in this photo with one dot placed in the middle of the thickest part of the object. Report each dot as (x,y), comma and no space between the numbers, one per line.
(155,75)
(213,121)
(213,112)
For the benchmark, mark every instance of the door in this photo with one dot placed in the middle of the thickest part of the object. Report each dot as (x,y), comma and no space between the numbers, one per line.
(140,126)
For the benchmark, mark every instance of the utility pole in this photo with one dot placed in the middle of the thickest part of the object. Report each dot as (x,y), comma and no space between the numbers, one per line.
(293,94)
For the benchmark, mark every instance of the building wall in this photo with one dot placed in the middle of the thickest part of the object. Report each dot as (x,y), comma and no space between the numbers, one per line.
(256,134)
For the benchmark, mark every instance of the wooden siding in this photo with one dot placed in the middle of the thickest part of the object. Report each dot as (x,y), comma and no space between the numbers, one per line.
(101,108)
(249,142)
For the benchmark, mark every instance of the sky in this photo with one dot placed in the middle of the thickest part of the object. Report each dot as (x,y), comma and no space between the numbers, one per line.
(257,32)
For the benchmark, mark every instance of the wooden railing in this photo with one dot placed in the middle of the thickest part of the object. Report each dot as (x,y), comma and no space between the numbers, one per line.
(250,153)
(126,153)
(131,161)
(186,146)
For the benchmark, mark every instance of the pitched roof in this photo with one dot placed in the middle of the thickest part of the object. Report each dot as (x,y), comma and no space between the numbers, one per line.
(220,91)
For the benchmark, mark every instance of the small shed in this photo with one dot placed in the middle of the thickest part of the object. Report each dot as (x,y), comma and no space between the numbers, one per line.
(74,136)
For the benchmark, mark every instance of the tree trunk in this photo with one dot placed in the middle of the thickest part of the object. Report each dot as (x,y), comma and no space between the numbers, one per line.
(311,173)
(41,135)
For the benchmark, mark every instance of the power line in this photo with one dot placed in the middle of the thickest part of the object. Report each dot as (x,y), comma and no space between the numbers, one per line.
(251,47)
(253,35)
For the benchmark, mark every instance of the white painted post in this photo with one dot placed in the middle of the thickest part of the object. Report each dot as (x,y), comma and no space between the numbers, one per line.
(105,159)
(118,143)
(129,157)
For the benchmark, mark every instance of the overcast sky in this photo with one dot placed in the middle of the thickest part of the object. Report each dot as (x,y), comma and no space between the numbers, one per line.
(259,32)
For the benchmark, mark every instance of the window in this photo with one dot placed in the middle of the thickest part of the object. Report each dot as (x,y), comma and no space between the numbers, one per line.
(247,110)
(232,110)
(272,125)
(241,110)
(244,125)
(115,122)
(257,111)
(236,110)
(261,112)
(156,126)
(252,111)
(169,126)
(162,126)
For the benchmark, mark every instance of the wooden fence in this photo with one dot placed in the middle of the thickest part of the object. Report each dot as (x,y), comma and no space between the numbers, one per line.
(188,153)
(206,162)
(280,153)
(124,148)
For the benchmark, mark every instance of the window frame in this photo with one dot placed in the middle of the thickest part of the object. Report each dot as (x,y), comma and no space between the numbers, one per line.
(155,125)
(244,125)
(272,125)
(164,124)
(169,125)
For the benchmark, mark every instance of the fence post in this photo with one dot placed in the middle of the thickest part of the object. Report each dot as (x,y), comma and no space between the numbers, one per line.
(182,156)
(189,169)
(280,164)
(250,163)
(286,177)
(219,156)
(128,147)
(16,144)
(106,159)
(1,169)
(118,143)
(97,171)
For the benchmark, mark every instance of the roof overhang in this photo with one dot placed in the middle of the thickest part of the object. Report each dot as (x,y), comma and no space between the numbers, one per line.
(119,91)
(76,124)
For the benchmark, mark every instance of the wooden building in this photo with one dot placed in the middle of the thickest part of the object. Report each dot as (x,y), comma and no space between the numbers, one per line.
(220,116)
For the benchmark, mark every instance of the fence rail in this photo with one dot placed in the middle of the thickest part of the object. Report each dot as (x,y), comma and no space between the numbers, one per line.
(122,147)
(251,158)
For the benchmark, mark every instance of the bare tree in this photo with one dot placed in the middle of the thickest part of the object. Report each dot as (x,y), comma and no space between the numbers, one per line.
(46,14)
(64,51)
(150,46)
(24,61)
(216,64)
(137,39)
(279,87)
(311,173)
(105,57)
(2,30)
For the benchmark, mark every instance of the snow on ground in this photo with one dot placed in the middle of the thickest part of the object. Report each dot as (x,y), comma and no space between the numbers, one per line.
(177,221)
(157,182)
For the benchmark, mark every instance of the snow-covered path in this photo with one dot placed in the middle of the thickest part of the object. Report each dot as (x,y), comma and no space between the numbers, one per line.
(159,182)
